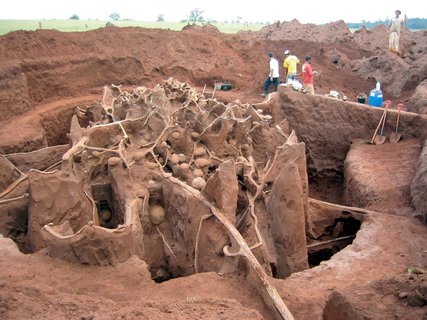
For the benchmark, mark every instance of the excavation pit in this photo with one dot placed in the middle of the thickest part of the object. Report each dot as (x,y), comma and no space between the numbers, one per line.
(338,236)
(109,213)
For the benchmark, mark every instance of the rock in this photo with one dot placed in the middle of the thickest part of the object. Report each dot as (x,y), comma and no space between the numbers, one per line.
(338,308)
(200,151)
(184,166)
(96,154)
(198,173)
(181,157)
(105,215)
(195,135)
(415,299)
(232,142)
(199,183)
(157,214)
(151,165)
(287,221)
(202,162)
(245,147)
(403,295)
(222,189)
(139,156)
(417,270)
(175,135)
(147,136)
(174,158)
(114,161)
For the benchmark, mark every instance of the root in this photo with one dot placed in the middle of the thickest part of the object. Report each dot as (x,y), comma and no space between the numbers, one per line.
(10,188)
(196,246)
(94,209)
(53,166)
(164,241)
(25,195)
(267,290)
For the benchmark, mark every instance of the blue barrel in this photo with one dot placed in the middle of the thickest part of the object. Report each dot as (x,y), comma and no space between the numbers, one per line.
(375,98)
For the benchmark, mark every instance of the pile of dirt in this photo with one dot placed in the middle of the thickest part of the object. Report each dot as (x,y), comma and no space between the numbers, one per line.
(294,30)
(47,65)
(401,297)
(418,101)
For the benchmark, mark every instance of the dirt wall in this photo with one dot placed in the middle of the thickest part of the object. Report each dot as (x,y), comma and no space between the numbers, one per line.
(327,126)
(418,186)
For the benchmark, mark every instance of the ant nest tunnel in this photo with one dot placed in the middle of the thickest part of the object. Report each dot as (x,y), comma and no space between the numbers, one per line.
(187,183)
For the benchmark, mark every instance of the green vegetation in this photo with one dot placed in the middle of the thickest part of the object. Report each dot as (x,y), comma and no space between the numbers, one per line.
(85,25)
(114,16)
(196,15)
(160,17)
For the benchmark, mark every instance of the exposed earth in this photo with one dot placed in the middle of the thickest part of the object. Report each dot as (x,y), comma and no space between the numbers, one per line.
(131,188)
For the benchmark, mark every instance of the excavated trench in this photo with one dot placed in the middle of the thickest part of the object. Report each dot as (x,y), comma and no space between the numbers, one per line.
(166,173)
(337,236)
(330,233)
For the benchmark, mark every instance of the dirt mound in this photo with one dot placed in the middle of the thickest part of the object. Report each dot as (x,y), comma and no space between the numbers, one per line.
(401,297)
(418,101)
(294,30)
(206,28)
(48,65)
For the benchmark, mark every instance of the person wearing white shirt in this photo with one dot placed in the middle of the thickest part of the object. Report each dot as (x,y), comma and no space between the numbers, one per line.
(394,32)
(273,76)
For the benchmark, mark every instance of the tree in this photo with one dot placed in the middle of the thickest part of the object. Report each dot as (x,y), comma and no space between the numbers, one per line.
(114,16)
(74,17)
(196,15)
(238,19)
(161,17)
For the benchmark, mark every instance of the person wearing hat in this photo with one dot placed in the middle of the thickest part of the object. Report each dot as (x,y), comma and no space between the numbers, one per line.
(290,64)
(273,76)
(394,32)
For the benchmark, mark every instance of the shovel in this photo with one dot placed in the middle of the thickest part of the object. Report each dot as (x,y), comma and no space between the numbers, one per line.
(395,137)
(375,138)
(380,139)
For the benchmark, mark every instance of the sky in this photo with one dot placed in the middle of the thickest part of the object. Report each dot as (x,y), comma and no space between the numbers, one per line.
(307,11)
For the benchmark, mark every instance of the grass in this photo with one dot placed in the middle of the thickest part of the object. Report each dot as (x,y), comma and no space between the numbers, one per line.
(7,26)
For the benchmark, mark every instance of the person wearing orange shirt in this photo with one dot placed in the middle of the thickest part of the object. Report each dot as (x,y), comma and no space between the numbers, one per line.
(308,75)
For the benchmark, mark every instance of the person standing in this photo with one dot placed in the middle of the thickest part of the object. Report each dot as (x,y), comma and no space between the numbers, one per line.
(394,32)
(273,76)
(308,75)
(290,64)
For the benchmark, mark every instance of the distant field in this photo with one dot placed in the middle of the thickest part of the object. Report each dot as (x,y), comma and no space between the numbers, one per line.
(84,25)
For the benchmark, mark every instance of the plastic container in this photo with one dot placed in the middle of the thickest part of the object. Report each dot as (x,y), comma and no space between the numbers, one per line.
(375,98)
(361,99)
